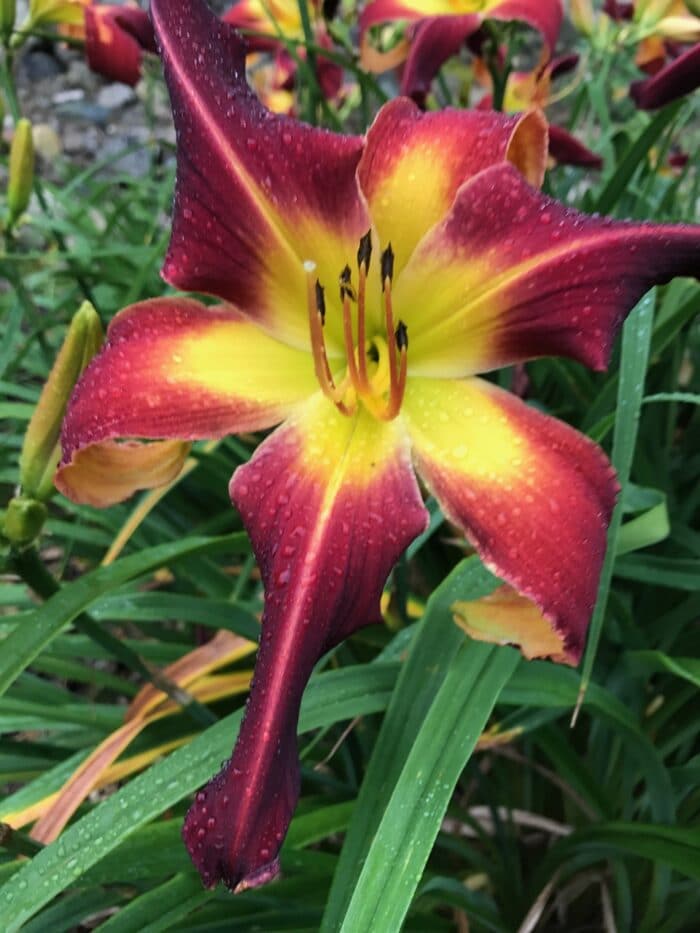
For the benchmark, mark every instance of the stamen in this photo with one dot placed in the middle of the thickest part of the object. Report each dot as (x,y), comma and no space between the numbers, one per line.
(398,388)
(364,254)
(347,293)
(396,340)
(316,303)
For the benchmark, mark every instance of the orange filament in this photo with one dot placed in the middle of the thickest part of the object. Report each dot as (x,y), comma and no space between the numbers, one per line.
(316,308)
(357,379)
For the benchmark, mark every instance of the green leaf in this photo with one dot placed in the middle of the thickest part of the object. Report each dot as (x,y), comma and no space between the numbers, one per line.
(633,158)
(412,819)
(636,337)
(330,697)
(38,629)
(651,661)
(436,642)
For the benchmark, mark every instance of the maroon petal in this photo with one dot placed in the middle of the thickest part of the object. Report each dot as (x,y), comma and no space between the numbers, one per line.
(330,502)
(675,80)
(434,40)
(115,39)
(618,10)
(522,276)
(567,150)
(257,194)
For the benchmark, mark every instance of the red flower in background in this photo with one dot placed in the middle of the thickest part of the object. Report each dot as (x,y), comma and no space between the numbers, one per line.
(439,28)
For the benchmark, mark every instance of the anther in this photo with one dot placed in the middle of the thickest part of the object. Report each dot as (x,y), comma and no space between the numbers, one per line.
(364,251)
(364,254)
(320,301)
(387,265)
(346,289)
(401,336)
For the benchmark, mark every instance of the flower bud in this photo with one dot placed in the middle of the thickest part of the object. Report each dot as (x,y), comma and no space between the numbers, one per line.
(693,6)
(581,12)
(23,520)
(41,449)
(679,28)
(42,12)
(21,170)
(651,10)
(8,12)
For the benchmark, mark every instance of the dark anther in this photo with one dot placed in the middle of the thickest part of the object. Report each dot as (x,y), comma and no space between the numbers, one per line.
(387,264)
(320,301)
(364,252)
(401,336)
(346,289)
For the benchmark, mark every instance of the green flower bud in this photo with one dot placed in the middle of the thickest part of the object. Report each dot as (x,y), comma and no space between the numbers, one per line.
(21,170)
(41,450)
(8,12)
(582,16)
(45,12)
(23,520)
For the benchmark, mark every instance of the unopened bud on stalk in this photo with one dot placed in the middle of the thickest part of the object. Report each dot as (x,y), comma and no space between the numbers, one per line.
(651,10)
(23,521)
(21,170)
(8,13)
(41,449)
(582,16)
(679,28)
(42,12)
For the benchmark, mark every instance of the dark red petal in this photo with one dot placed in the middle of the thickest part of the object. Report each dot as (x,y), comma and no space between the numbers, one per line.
(172,368)
(563,64)
(675,80)
(434,40)
(618,10)
(115,39)
(567,150)
(532,495)
(257,194)
(330,503)
(522,276)
(415,162)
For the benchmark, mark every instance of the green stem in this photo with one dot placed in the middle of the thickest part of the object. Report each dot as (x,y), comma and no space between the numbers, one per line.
(31,568)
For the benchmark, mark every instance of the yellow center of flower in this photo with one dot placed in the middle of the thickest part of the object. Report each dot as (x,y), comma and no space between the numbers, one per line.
(376,368)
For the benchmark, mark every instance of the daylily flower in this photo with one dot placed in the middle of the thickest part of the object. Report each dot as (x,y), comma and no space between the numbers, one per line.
(439,28)
(527,89)
(266,24)
(367,281)
(115,37)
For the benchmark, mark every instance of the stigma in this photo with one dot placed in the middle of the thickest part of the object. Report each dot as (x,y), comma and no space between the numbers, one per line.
(375,373)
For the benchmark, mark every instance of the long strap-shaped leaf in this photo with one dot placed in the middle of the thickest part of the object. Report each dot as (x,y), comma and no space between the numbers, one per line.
(329,698)
(412,820)
(37,630)
(436,646)
(636,339)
